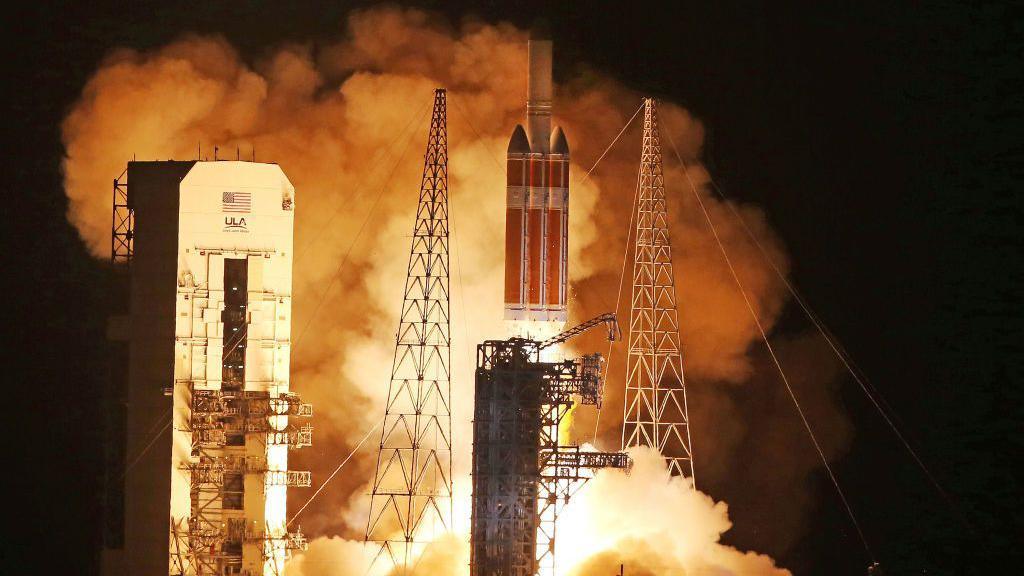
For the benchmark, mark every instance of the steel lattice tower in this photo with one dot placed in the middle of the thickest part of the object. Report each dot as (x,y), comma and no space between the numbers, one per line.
(412,490)
(655,403)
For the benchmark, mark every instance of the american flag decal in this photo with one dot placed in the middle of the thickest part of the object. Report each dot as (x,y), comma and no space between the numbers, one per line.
(236,202)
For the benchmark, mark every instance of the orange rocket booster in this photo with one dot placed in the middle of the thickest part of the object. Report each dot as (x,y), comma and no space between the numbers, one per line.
(537,205)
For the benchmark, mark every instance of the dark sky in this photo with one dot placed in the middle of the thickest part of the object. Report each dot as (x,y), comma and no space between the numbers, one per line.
(883,142)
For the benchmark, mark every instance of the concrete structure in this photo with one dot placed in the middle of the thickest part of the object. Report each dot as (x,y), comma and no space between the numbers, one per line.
(537,205)
(208,251)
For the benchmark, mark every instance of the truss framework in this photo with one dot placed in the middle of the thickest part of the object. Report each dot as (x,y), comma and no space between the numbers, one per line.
(411,501)
(210,541)
(122,227)
(655,402)
(523,476)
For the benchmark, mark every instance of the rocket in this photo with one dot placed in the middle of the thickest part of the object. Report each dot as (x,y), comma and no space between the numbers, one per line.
(537,204)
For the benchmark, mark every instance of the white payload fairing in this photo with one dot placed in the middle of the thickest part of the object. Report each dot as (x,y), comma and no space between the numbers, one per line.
(537,204)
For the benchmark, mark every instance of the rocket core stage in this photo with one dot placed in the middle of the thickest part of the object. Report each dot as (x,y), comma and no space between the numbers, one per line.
(537,205)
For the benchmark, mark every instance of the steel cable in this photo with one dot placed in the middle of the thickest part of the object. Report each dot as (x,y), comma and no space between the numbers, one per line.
(771,351)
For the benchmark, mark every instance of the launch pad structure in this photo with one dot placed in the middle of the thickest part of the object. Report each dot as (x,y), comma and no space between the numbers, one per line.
(206,251)
(523,476)
(202,416)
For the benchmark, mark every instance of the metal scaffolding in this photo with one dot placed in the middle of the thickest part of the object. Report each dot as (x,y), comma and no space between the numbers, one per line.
(655,401)
(210,543)
(523,476)
(236,432)
(411,502)
(122,227)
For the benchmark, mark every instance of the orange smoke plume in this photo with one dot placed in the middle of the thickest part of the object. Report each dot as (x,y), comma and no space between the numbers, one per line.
(347,123)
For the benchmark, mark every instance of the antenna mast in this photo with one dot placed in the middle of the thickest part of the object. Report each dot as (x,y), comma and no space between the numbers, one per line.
(411,503)
(655,403)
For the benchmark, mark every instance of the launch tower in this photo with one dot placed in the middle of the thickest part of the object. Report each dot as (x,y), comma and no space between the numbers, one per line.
(204,475)
(522,474)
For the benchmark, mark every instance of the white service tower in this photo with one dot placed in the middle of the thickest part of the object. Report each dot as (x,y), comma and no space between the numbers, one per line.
(231,402)
(204,354)
(201,417)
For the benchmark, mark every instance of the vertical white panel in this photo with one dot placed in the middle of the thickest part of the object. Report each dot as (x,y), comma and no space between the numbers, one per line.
(198,317)
(257,370)
(256,276)
(282,358)
(183,314)
(215,274)
(213,363)
(199,363)
(283,320)
(182,361)
(210,230)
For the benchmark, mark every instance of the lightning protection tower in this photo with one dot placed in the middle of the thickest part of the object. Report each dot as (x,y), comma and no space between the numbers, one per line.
(411,502)
(655,402)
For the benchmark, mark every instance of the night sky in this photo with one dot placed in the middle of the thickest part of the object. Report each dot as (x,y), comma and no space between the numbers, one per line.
(880,140)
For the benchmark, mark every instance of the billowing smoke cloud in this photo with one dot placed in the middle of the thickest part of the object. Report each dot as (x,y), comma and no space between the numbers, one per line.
(347,122)
(448,555)
(652,523)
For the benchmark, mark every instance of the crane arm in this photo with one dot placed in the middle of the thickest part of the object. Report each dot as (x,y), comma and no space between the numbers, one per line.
(607,318)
